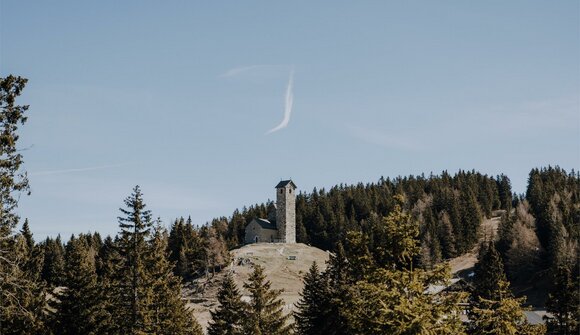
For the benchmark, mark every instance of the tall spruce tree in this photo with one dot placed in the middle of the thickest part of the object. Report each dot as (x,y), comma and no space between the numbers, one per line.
(338,273)
(564,302)
(265,310)
(169,313)
(494,308)
(395,297)
(228,318)
(81,308)
(53,265)
(489,272)
(132,284)
(22,299)
(501,314)
(314,308)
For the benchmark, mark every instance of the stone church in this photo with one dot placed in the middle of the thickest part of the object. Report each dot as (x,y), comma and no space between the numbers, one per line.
(280,226)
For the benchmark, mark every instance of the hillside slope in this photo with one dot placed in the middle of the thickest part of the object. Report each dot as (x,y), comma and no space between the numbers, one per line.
(283,272)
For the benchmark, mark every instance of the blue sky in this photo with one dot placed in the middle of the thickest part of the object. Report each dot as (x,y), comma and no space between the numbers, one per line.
(178,96)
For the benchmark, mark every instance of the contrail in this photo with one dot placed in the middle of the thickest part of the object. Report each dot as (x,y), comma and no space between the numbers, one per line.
(287,107)
(51,172)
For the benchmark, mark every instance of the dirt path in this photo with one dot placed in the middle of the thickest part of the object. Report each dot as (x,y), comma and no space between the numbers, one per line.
(467,261)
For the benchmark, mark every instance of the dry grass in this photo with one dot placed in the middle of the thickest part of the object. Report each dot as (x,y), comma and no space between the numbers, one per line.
(284,274)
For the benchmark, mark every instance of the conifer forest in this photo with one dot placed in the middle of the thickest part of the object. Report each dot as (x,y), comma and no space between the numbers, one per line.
(390,243)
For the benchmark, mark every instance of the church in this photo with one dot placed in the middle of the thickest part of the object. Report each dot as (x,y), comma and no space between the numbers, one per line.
(280,227)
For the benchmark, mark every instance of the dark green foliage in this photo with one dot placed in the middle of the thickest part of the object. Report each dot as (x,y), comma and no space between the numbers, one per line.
(53,265)
(12,180)
(186,249)
(81,309)
(21,295)
(554,198)
(198,251)
(228,318)
(564,301)
(505,192)
(489,272)
(314,313)
(133,282)
(323,217)
(143,294)
(501,315)
(340,280)
(391,297)
(265,310)
(169,314)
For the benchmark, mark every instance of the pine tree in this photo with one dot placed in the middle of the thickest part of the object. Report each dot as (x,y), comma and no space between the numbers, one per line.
(265,311)
(21,298)
(446,236)
(27,234)
(32,255)
(397,239)
(338,273)
(314,308)
(502,314)
(394,298)
(53,265)
(132,283)
(228,317)
(563,302)
(489,272)
(110,274)
(80,309)
(169,314)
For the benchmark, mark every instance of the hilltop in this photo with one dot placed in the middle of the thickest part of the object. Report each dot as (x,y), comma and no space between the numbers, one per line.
(280,267)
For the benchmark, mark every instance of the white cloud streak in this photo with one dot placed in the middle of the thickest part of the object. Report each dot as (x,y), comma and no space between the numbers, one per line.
(67,171)
(287,106)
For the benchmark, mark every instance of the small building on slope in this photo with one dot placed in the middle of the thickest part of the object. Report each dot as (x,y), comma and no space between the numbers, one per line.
(282,225)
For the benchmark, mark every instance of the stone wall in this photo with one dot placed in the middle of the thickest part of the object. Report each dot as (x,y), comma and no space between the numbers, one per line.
(253,230)
(286,213)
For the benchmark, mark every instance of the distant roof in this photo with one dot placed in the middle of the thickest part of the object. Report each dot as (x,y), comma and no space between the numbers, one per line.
(283,183)
(436,289)
(265,224)
(534,318)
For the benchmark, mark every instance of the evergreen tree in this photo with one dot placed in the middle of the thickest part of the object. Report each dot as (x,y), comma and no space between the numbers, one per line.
(27,234)
(228,317)
(338,275)
(54,263)
(396,240)
(564,302)
(314,308)
(169,314)
(32,255)
(22,299)
(489,272)
(394,298)
(80,309)
(502,314)
(132,282)
(446,235)
(265,311)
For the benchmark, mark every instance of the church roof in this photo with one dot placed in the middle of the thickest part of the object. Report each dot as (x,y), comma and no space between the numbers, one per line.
(265,224)
(283,183)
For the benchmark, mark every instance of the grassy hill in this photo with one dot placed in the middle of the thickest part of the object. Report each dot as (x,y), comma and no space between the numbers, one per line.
(283,271)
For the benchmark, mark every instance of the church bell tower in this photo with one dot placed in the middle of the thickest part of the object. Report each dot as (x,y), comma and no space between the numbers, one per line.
(286,211)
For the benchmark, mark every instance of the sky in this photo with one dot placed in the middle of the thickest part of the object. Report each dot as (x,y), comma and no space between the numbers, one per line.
(207,105)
